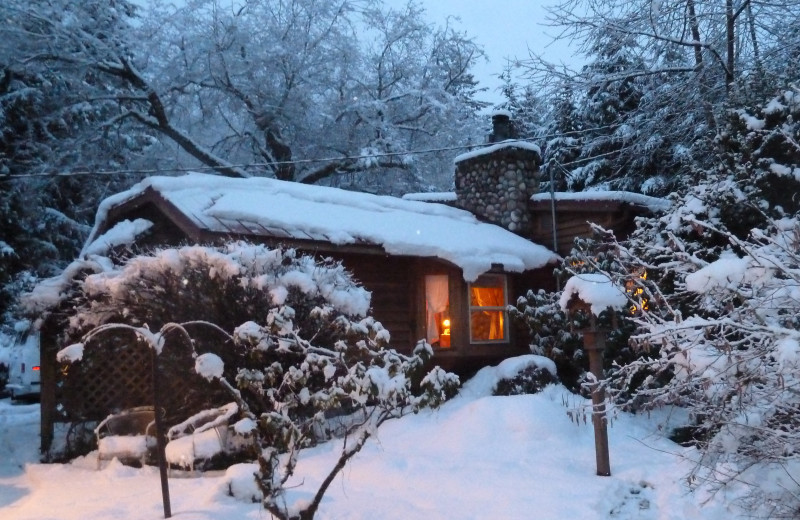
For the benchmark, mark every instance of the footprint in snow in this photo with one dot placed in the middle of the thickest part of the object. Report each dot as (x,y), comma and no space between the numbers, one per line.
(634,501)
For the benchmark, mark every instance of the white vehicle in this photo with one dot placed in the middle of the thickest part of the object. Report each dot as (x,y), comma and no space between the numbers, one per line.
(24,377)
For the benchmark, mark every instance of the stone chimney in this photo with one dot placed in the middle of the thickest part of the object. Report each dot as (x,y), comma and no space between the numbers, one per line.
(496,182)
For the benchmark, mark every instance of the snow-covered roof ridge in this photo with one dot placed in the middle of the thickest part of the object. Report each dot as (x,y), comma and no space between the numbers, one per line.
(433,196)
(300,211)
(508,143)
(652,203)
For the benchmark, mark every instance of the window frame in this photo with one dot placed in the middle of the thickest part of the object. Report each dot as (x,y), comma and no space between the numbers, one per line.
(477,308)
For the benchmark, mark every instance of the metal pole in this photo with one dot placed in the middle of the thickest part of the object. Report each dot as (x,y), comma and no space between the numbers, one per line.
(161,440)
(553,209)
(553,218)
(595,342)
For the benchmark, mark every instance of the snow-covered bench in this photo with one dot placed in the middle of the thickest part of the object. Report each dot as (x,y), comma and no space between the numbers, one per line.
(127,436)
(200,437)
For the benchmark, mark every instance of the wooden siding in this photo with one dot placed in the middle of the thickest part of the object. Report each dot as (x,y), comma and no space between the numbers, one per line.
(391,281)
(573,220)
(164,231)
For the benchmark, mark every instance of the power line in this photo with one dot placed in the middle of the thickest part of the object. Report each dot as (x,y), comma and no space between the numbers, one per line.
(242,165)
(150,171)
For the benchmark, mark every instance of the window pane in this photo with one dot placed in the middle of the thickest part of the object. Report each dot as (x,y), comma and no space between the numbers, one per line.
(487,291)
(487,301)
(487,325)
(486,296)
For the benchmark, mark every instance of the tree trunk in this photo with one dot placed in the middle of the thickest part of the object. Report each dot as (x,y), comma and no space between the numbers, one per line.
(760,74)
(730,20)
(699,65)
(284,169)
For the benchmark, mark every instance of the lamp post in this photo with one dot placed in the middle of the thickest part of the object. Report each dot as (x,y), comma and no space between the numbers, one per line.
(592,294)
(594,343)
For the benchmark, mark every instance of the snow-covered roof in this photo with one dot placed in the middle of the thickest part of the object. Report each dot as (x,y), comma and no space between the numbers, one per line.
(651,203)
(269,207)
(509,143)
(438,196)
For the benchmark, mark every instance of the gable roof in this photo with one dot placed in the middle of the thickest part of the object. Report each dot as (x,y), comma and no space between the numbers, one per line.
(269,207)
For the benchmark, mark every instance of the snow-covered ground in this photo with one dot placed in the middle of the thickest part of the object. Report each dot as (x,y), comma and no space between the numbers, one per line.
(477,457)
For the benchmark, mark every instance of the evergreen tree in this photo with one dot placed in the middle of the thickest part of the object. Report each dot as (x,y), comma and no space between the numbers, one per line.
(563,135)
(714,282)
(53,116)
(660,79)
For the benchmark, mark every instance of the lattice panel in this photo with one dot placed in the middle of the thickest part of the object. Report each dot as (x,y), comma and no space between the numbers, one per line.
(116,374)
(113,377)
(110,378)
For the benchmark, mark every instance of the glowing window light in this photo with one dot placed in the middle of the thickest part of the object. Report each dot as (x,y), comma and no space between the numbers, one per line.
(637,294)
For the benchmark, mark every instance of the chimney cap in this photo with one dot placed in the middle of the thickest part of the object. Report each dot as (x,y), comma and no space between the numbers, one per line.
(502,127)
(501,113)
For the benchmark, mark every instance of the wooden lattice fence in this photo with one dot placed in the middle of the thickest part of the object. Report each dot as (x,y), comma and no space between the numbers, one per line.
(111,378)
(116,373)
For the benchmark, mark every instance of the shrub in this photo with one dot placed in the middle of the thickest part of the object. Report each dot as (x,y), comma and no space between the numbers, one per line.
(530,380)
(288,338)
(551,334)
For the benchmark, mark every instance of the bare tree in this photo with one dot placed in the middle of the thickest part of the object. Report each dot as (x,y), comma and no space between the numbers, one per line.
(295,89)
(308,90)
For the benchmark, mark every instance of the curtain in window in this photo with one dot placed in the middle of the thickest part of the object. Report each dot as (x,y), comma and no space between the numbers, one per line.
(437,298)
(487,297)
(487,303)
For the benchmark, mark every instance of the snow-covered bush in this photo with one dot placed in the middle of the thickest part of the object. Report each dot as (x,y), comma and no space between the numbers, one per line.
(197,285)
(288,338)
(720,330)
(730,349)
(551,334)
(530,380)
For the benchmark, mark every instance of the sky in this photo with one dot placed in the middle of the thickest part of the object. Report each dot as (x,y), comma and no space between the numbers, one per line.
(506,29)
(478,456)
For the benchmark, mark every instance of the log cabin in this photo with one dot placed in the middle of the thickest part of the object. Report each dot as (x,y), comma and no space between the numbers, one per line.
(436,272)
(440,267)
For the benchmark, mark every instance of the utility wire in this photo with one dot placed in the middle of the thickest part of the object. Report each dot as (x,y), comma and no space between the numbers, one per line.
(148,171)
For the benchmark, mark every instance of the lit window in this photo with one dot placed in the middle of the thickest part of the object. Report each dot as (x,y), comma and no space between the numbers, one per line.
(487,309)
(437,310)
